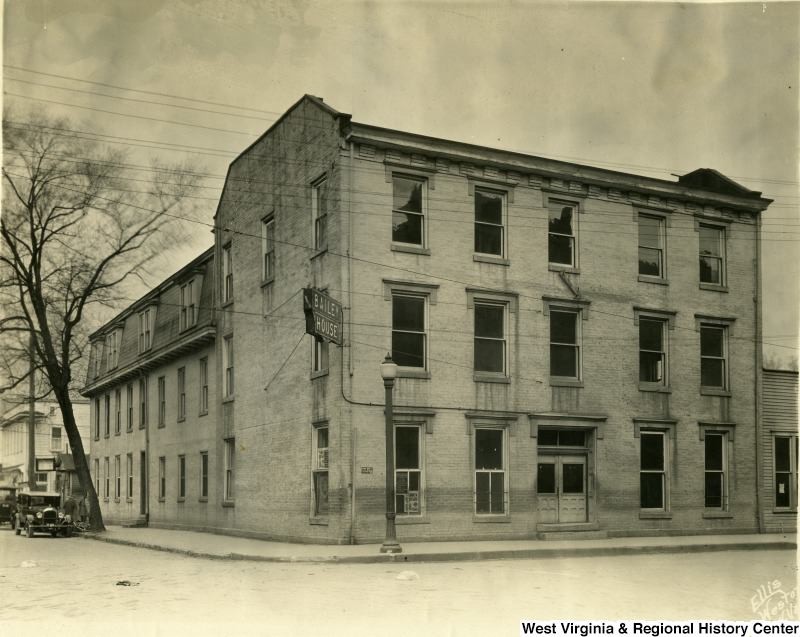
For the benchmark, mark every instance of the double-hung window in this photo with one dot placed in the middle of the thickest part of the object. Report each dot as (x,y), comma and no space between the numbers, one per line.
(654,327)
(204,475)
(491,486)
(712,254)
(319,356)
(129,407)
(652,242)
(203,385)
(653,479)
(319,213)
(408,214)
(117,478)
(565,350)
(490,337)
(106,478)
(55,439)
(188,305)
(111,350)
(409,346)
(268,249)
(561,233)
(129,474)
(489,222)
(181,393)
(97,419)
(97,477)
(107,415)
(162,400)
(785,475)
(227,345)
(117,411)
(713,356)
(181,477)
(320,470)
(716,470)
(228,467)
(162,478)
(145,329)
(408,469)
(227,274)
(142,403)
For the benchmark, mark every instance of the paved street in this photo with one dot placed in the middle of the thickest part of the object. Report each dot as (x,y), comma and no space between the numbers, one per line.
(74,585)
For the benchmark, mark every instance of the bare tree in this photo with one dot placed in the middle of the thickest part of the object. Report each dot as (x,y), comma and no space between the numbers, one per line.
(78,222)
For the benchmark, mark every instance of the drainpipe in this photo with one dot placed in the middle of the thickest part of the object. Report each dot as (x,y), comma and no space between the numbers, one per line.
(146,449)
(759,378)
(353,429)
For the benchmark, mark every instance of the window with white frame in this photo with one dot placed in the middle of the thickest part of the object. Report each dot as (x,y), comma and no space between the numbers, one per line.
(181,477)
(319,355)
(117,411)
(162,400)
(203,475)
(713,356)
(490,337)
(97,419)
(319,213)
(106,478)
(162,478)
(181,393)
(565,348)
(652,351)
(96,358)
(409,346)
(117,478)
(652,242)
(561,232)
(490,206)
(408,212)
(716,470)
(785,471)
(55,439)
(712,254)
(227,345)
(230,460)
(188,305)
(107,415)
(268,249)
(145,329)
(204,385)
(319,477)
(129,407)
(653,478)
(112,353)
(142,403)
(97,477)
(227,274)
(491,488)
(408,479)
(129,474)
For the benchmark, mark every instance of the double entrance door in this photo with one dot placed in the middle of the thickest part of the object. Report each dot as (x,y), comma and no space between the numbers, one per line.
(561,489)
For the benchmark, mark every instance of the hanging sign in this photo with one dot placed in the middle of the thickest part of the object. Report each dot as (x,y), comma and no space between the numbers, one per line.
(323,315)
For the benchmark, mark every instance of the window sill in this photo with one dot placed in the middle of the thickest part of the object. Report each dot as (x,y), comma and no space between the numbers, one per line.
(129,430)
(144,426)
(643,278)
(557,381)
(659,389)
(128,500)
(655,515)
(318,252)
(228,399)
(116,500)
(713,287)
(181,500)
(318,520)
(785,511)
(106,436)
(320,374)
(487,258)
(161,425)
(491,518)
(105,499)
(402,520)
(411,249)
(712,391)
(161,500)
(227,303)
(182,419)
(715,515)
(202,413)
(489,377)
(423,374)
(202,499)
(559,267)
(267,282)
(228,504)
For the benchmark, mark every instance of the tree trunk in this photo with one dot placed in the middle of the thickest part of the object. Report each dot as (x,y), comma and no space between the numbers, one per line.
(79,456)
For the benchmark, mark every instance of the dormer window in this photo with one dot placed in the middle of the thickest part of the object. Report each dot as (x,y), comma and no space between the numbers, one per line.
(96,358)
(112,349)
(146,323)
(188,305)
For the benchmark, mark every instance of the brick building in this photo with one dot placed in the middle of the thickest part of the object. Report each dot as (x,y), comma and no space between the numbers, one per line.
(577,347)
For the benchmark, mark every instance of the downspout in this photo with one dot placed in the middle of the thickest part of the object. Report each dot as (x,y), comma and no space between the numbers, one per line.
(759,378)
(353,429)
(147,458)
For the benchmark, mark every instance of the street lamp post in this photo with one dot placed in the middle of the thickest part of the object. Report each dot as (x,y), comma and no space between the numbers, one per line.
(389,373)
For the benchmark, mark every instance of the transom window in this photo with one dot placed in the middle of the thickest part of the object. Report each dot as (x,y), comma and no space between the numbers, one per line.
(408,470)
(490,471)
(408,215)
(653,474)
(408,330)
(561,233)
(564,344)
(712,254)
(651,245)
(490,337)
(652,351)
(561,437)
(713,356)
(489,214)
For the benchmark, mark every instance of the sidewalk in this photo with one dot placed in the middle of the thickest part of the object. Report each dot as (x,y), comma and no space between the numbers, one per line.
(224,547)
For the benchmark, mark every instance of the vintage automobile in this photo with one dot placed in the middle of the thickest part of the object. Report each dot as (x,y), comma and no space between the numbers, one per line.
(8,505)
(40,512)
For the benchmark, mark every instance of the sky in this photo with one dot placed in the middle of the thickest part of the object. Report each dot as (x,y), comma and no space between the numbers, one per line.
(655,89)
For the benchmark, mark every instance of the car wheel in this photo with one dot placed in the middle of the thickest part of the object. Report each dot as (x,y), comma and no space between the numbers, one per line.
(67,532)
(54,533)
(29,531)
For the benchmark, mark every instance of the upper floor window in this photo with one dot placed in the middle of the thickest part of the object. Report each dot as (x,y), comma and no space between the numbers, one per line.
(129,405)
(268,249)
(188,305)
(227,274)
(145,329)
(489,218)
(107,414)
(96,358)
(713,356)
(228,358)
(490,337)
(117,410)
(652,351)
(319,213)
(652,241)
(181,393)
(55,439)
(162,400)
(408,330)
(204,385)
(565,350)
(142,403)
(111,350)
(561,233)
(319,356)
(408,214)
(712,254)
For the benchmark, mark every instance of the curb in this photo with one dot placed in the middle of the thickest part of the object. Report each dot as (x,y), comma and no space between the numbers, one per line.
(462,556)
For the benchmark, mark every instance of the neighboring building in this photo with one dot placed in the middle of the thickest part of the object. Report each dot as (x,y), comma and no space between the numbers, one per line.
(779,450)
(51,442)
(578,347)
(151,383)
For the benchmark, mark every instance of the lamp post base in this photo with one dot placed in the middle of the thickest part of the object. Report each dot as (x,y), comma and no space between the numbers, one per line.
(391,546)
